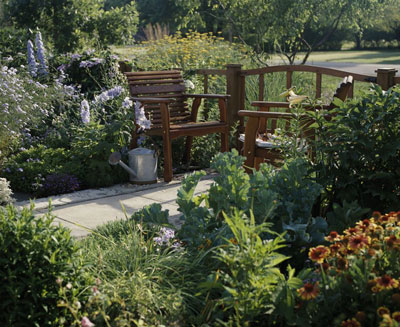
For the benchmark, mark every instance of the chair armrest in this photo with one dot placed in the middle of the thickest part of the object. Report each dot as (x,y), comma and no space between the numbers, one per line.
(266,114)
(270,104)
(208,96)
(152,100)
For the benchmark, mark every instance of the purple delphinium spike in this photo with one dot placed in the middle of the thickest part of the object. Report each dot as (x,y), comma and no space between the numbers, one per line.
(32,66)
(42,70)
(85,112)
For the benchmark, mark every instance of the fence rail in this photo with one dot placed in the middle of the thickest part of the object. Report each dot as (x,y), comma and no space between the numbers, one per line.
(236,82)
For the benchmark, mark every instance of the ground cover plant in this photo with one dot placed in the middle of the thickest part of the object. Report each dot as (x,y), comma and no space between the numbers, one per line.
(248,253)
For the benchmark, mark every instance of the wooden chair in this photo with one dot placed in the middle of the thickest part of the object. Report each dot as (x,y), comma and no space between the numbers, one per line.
(165,104)
(264,122)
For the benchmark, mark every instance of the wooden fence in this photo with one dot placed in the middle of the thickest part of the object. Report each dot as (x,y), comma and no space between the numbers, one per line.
(236,82)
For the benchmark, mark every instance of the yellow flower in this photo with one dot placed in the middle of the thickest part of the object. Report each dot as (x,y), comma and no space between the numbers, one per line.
(309,291)
(383,311)
(319,253)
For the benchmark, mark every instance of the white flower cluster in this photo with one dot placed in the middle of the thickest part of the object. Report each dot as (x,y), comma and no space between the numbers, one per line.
(140,117)
(5,192)
(85,112)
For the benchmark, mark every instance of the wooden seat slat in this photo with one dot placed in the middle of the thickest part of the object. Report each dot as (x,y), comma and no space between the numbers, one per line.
(156,89)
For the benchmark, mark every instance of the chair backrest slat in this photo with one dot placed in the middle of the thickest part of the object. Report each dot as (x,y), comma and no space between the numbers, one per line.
(342,91)
(160,84)
(156,89)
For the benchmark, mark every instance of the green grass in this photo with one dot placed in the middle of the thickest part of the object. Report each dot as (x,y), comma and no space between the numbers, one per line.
(362,56)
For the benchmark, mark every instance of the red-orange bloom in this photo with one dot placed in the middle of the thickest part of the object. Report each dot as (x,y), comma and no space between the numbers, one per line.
(351,323)
(383,311)
(335,248)
(342,263)
(319,253)
(332,237)
(396,316)
(359,241)
(392,242)
(351,231)
(376,214)
(309,291)
(386,282)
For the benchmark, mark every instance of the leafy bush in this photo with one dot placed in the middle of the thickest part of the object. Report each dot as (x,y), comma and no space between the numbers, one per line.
(192,51)
(92,70)
(34,254)
(13,46)
(285,197)
(360,151)
(355,281)
(21,102)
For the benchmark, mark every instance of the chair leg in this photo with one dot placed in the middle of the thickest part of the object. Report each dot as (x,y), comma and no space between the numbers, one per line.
(133,144)
(225,141)
(167,158)
(188,147)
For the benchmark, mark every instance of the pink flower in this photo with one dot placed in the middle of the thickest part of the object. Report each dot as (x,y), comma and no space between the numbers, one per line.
(86,322)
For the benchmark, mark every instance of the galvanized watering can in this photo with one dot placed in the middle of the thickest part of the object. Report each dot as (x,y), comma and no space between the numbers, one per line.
(142,165)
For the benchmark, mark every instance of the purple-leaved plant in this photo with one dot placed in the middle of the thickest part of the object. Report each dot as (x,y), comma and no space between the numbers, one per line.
(59,184)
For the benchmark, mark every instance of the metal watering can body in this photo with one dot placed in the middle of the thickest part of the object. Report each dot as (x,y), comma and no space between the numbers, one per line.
(142,167)
(144,163)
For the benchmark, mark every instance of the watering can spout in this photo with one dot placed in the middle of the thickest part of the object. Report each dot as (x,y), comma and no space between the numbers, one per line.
(115,159)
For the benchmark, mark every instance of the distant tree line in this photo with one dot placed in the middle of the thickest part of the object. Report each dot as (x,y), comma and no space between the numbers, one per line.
(283,26)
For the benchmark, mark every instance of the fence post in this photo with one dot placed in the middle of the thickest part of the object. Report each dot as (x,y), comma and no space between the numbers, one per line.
(385,77)
(233,89)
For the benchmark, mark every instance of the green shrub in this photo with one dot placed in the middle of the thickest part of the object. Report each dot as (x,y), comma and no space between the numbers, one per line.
(92,70)
(360,151)
(34,253)
(13,43)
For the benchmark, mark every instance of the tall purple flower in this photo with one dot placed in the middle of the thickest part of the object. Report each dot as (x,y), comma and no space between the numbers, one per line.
(85,112)
(32,65)
(42,70)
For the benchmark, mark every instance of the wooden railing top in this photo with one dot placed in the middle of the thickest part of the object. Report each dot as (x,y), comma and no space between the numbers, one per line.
(308,68)
(220,72)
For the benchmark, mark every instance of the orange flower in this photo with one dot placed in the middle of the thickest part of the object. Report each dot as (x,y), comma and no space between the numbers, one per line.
(376,214)
(351,323)
(308,291)
(396,316)
(335,248)
(383,311)
(386,282)
(351,231)
(359,241)
(342,263)
(366,224)
(392,242)
(233,240)
(332,237)
(319,253)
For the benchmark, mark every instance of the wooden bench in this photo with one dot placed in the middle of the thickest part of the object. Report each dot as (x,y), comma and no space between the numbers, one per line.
(265,122)
(162,93)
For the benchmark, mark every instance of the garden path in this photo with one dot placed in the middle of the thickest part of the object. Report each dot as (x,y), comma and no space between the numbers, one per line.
(83,211)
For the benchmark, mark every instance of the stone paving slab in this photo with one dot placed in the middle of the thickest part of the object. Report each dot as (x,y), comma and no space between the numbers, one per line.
(85,210)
